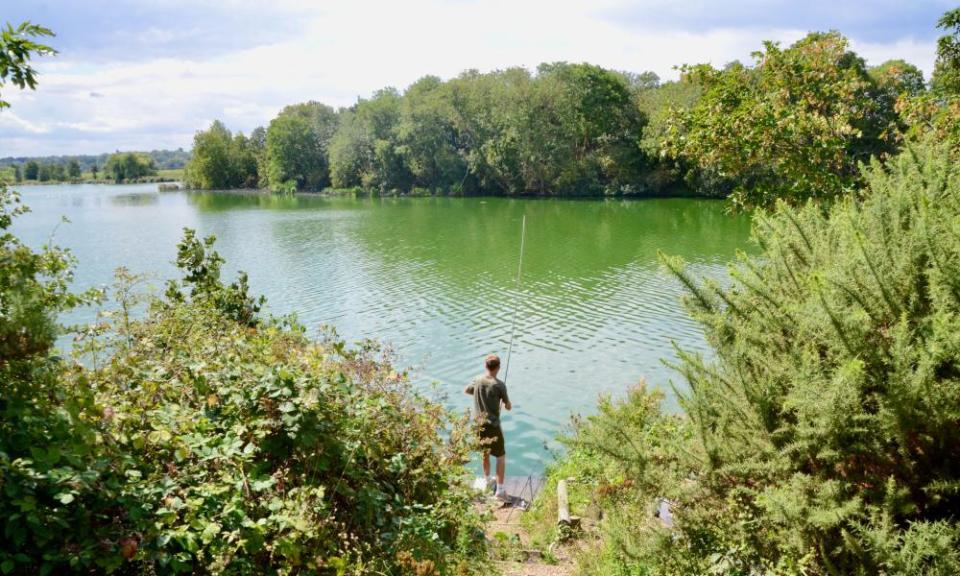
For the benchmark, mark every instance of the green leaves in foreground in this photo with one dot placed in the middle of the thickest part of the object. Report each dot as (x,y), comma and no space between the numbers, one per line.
(202,437)
(823,437)
(17,47)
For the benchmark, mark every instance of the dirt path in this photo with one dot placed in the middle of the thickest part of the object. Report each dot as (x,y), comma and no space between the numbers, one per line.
(511,549)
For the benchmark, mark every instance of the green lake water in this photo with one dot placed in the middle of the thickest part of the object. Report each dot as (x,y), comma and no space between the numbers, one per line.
(434,278)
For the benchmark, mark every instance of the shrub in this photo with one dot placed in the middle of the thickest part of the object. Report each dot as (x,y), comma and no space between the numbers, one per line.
(823,438)
(203,437)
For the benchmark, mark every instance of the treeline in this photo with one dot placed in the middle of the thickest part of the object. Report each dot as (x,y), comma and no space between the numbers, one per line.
(119,167)
(795,124)
(162,160)
(570,129)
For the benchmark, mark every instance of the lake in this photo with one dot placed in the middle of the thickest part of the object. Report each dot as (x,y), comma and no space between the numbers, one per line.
(435,279)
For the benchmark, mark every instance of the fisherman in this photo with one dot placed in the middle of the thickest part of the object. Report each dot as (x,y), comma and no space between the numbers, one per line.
(489,392)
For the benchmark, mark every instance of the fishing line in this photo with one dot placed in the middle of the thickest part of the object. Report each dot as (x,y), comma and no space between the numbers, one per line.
(516,300)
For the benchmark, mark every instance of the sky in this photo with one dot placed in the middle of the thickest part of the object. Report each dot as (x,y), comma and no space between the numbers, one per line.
(147,74)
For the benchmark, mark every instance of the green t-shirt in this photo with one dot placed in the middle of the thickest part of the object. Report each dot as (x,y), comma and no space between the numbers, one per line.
(488,392)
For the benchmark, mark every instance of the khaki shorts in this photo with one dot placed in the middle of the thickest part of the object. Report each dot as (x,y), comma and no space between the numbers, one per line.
(491,440)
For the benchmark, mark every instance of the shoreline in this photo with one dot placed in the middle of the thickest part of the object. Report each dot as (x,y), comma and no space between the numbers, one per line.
(341,193)
(677,193)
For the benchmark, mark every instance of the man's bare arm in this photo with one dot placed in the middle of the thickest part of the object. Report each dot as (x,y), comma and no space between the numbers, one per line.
(468,389)
(507,405)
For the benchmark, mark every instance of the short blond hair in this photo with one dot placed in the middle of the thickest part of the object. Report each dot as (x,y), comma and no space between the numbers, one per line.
(492,362)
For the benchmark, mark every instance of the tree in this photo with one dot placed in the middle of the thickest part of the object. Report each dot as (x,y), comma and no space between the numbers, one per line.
(659,105)
(295,152)
(93,170)
(828,419)
(898,77)
(210,167)
(946,71)
(487,112)
(581,132)
(31,170)
(426,138)
(127,166)
(640,82)
(349,151)
(16,50)
(73,170)
(794,126)
(365,149)
(819,435)
(17,176)
(897,83)
(937,114)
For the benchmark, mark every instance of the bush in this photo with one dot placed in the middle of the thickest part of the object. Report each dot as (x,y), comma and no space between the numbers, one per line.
(823,439)
(203,437)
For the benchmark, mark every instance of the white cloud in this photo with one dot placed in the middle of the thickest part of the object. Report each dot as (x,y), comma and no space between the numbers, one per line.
(920,53)
(348,50)
(9,120)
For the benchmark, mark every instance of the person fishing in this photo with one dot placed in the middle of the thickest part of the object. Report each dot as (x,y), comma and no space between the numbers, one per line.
(489,393)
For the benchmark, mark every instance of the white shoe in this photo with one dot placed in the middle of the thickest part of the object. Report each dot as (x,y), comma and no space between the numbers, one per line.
(501,494)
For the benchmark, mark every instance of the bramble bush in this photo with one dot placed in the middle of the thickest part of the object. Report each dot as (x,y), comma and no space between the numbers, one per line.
(823,439)
(203,437)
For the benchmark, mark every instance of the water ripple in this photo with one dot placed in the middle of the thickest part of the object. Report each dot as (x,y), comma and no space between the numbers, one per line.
(435,278)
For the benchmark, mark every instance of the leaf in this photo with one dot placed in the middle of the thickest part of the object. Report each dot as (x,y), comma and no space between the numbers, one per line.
(65,497)
(210,532)
(261,485)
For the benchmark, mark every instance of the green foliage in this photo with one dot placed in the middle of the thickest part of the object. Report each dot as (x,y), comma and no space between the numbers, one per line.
(573,129)
(296,147)
(203,437)
(53,499)
(251,446)
(364,151)
(31,170)
(162,160)
(16,50)
(426,139)
(201,267)
(222,160)
(581,132)
(658,103)
(129,166)
(936,114)
(73,170)
(822,439)
(795,126)
(54,172)
(946,71)
(928,116)
(898,77)
(487,110)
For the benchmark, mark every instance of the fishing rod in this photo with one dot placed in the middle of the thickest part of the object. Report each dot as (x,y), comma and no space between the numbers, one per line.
(516,300)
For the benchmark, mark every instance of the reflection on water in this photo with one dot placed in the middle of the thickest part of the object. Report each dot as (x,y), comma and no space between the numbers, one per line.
(434,277)
(134,199)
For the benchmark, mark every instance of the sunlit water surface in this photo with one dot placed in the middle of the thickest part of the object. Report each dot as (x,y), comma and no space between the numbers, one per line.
(435,279)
